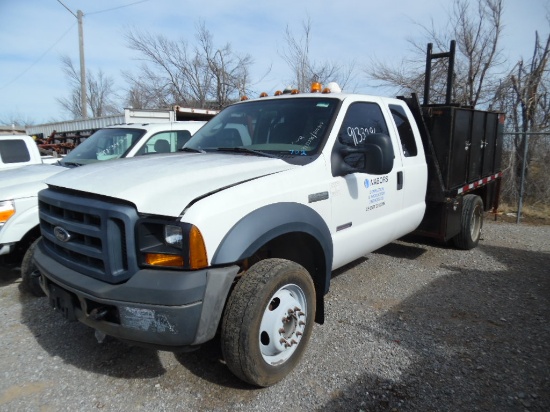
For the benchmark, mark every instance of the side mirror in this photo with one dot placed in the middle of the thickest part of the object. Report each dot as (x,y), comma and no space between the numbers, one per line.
(373,156)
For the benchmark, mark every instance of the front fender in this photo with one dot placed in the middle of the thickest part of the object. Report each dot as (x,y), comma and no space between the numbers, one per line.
(24,220)
(269,222)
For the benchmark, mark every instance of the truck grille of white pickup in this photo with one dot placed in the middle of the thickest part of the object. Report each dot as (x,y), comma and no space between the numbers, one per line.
(89,235)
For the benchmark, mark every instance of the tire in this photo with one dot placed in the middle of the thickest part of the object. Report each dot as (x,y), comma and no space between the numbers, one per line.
(471,223)
(30,273)
(268,321)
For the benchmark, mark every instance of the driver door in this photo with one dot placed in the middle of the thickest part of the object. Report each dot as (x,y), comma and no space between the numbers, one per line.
(364,206)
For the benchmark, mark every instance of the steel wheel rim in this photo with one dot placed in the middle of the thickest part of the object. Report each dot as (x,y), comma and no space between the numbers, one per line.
(283,324)
(475,224)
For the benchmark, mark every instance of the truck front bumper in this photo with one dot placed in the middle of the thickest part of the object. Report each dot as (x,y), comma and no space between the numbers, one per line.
(166,309)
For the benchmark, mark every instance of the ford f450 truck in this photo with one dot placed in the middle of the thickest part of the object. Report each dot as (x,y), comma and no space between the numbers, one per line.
(239,235)
(19,187)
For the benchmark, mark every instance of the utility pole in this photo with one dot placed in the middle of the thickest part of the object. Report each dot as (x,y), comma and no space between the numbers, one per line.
(78,15)
(83,99)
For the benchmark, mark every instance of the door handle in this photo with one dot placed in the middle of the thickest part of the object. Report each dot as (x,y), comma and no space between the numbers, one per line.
(400,180)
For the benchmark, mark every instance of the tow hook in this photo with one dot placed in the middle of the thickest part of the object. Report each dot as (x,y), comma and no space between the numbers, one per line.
(99,313)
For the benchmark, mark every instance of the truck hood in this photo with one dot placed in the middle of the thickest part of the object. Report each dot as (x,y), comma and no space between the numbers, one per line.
(166,184)
(26,181)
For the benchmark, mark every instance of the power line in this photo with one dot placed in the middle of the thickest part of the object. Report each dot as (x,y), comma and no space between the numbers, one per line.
(68,9)
(116,8)
(38,59)
(63,35)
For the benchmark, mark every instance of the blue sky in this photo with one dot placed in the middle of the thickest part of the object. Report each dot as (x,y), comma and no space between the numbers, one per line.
(35,33)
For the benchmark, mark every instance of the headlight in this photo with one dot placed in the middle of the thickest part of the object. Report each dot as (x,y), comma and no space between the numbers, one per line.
(173,235)
(170,245)
(7,210)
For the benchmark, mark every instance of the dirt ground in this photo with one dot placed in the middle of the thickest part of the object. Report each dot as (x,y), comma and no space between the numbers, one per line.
(413,326)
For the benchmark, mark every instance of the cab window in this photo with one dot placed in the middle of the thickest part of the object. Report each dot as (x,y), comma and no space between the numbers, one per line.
(404,130)
(165,142)
(362,119)
(14,151)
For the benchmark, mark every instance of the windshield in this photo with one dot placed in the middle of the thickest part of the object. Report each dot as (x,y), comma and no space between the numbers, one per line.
(289,126)
(105,144)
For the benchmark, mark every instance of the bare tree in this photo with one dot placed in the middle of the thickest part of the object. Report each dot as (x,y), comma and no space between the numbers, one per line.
(175,73)
(16,120)
(100,94)
(530,86)
(146,91)
(297,55)
(524,97)
(477,31)
(229,71)
(478,44)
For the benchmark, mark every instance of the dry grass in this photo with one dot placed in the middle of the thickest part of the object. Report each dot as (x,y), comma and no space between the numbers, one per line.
(539,214)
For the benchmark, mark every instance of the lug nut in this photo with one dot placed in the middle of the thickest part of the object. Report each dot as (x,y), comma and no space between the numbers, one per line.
(284,342)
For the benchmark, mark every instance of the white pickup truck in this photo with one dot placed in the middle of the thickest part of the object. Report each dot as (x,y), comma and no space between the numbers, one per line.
(21,150)
(241,233)
(19,187)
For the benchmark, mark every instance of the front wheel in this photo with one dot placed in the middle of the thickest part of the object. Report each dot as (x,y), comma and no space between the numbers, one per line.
(268,321)
(471,223)
(29,272)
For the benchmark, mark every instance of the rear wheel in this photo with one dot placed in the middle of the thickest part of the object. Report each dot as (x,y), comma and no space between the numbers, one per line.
(268,321)
(30,273)
(471,223)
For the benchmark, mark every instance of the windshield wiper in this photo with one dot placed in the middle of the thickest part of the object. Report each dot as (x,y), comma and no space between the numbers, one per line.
(70,164)
(190,150)
(244,150)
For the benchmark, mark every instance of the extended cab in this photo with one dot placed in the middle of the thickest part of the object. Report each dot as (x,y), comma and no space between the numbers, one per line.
(240,234)
(19,187)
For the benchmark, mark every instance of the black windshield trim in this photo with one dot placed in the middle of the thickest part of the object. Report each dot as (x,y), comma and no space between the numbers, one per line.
(244,150)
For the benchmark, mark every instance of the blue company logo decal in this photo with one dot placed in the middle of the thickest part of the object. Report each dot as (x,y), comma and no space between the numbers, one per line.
(367,183)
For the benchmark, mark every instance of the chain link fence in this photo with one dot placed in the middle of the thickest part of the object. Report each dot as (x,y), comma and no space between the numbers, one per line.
(525,187)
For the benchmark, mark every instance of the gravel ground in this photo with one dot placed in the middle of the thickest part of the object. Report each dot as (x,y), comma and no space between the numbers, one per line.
(414,326)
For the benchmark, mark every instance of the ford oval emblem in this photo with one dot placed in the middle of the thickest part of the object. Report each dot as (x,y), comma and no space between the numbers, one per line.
(61,234)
